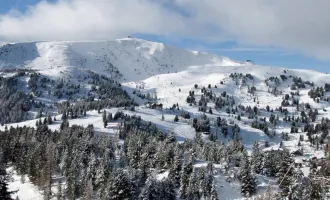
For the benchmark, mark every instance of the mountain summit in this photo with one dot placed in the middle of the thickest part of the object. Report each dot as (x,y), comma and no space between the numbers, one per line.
(127,59)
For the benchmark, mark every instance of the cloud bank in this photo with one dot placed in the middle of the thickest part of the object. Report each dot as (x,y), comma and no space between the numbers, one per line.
(297,25)
(90,20)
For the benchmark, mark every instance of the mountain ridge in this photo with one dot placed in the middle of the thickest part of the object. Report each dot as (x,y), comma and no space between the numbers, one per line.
(133,56)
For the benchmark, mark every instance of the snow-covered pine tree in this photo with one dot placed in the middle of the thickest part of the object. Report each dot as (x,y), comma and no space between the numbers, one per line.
(269,164)
(248,179)
(155,189)
(208,182)
(244,161)
(298,185)
(214,193)
(119,186)
(185,173)
(285,171)
(256,158)
(202,183)
(168,190)
(184,184)
(193,187)
(175,169)
(314,189)
(88,193)
(5,194)
(170,138)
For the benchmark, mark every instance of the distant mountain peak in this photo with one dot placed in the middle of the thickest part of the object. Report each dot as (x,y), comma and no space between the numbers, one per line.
(136,59)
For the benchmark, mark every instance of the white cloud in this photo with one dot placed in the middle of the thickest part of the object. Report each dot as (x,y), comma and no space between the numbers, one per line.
(298,25)
(90,19)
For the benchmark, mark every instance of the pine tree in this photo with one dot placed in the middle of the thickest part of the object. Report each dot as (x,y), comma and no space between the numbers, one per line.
(100,178)
(64,124)
(147,190)
(256,158)
(109,117)
(184,183)
(168,190)
(325,168)
(285,172)
(45,120)
(185,173)
(88,193)
(119,186)
(144,167)
(298,185)
(269,164)
(71,185)
(170,138)
(243,165)
(176,118)
(269,195)
(104,115)
(155,189)
(202,183)
(5,194)
(48,169)
(49,120)
(214,193)
(193,187)
(174,174)
(64,117)
(314,190)
(248,179)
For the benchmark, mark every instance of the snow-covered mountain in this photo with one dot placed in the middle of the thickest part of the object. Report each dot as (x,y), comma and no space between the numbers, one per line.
(156,67)
(200,85)
(130,60)
(135,59)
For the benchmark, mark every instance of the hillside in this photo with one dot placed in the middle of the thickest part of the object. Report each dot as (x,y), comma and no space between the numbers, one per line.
(155,103)
(134,59)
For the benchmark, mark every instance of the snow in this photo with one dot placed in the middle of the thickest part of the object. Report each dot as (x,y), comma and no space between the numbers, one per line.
(305,171)
(163,175)
(26,190)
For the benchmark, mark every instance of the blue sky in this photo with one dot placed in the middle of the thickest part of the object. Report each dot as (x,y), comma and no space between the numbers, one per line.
(236,49)
(259,55)
(6,5)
